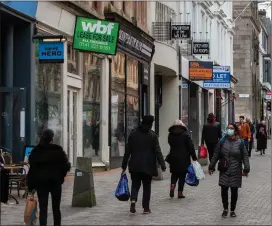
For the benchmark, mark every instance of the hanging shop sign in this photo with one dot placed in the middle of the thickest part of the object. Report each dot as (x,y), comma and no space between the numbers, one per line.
(131,42)
(221,78)
(51,52)
(98,36)
(200,70)
(180,31)
(202,48)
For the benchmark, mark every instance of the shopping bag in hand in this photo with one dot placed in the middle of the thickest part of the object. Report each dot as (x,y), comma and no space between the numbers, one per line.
(203,152)
(198,170)
(31,211)
(122,191)
(191,177)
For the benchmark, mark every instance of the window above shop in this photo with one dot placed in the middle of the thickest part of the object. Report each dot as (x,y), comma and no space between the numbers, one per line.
(72,60)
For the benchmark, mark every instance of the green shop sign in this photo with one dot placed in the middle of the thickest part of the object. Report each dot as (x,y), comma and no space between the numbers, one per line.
(94,35)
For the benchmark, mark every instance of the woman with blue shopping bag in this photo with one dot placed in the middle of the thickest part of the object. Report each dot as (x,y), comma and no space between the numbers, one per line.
(141,156)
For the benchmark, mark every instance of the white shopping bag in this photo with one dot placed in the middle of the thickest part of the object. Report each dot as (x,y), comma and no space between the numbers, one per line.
(198,170)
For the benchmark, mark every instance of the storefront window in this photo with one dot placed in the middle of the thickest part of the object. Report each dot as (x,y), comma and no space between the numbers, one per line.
(48,99)
(91,105)
(132,95)
(73,60)
(118,105)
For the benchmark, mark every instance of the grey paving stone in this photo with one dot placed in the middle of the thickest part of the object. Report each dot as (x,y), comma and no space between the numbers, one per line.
(202,205)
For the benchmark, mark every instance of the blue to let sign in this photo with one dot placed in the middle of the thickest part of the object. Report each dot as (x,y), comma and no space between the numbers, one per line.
(51,52)
(221,78)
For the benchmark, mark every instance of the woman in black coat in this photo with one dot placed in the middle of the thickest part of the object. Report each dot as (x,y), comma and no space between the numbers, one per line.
(261,137)
(48,167)
(179,158)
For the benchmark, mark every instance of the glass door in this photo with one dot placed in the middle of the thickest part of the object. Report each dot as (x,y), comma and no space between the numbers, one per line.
(72,122)
(12,122)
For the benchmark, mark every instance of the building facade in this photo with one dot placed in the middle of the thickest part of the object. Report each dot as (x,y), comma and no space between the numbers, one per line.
(247,60)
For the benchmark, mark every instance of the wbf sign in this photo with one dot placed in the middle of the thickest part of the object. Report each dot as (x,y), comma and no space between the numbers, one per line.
(51,52)
(221,78)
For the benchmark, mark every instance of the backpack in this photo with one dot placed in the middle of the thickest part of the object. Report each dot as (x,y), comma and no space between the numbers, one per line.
(224,163)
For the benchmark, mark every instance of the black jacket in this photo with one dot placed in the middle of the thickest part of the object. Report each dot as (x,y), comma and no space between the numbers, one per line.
(261,136)
(211,133)
(181,149)
(48,166)
(142,152)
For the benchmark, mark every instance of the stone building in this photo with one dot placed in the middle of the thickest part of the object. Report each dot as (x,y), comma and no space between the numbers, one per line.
(246,59)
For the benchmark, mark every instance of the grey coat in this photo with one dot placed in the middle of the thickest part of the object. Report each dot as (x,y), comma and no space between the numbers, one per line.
(230,150)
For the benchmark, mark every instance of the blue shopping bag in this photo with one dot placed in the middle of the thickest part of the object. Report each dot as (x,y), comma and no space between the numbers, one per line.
(122,191)
(191,177)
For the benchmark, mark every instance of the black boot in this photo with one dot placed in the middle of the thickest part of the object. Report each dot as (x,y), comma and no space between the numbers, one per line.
(225,213)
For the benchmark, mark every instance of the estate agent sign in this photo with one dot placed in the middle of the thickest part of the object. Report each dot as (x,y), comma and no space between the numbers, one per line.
(94,35)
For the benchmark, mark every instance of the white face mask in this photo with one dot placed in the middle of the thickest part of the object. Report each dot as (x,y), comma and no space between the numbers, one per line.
(230,132)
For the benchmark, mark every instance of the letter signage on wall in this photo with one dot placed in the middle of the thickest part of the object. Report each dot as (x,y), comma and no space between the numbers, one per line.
(97,36)
(51,52)
(200,70)
(221,78)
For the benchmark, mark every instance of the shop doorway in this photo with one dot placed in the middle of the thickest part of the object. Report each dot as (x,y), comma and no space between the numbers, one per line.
(12,121)
(72,122)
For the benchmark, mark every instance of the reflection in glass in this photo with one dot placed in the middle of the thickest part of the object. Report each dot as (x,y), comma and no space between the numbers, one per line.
(48,99)
(185,104)
(132,77)
(132,113)
(91,105)
(117,124)
(73,60)
(118,72)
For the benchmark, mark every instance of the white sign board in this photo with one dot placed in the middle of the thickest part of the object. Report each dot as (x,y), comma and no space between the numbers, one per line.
(244,95)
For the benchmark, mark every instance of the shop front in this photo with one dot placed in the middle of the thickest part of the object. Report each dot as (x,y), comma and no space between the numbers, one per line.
(129,85)
(17,113)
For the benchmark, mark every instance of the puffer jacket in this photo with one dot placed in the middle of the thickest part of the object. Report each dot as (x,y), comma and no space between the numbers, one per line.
(231,150)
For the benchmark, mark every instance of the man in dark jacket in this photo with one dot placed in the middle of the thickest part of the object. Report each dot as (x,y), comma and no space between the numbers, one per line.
(48,168)
(211,134)
(142,153)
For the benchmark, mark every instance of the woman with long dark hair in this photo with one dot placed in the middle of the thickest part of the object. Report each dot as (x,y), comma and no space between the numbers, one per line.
(48,168)
(232,155)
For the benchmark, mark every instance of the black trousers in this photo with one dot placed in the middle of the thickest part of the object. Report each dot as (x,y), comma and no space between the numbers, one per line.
(4,185)
(225,197)
(43,195)
(211,148)
(145,179)
(180,178)
(250,146)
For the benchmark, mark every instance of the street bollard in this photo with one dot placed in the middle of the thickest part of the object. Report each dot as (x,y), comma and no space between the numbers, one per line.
(83,191)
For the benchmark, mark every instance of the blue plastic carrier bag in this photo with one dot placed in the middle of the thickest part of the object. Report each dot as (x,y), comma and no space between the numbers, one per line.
(191,177)
(122,191)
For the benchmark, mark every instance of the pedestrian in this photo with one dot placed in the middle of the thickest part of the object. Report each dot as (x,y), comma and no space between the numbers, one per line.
(48,167)
(232,155)
(245,132)
(141,155)
(252,130)
(96,137)
(179,158)
(211,134)
(261,137)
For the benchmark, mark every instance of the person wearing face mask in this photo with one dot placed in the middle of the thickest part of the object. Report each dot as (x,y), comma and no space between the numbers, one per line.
(245,132)
(261,137)
(211,133)
(232,156)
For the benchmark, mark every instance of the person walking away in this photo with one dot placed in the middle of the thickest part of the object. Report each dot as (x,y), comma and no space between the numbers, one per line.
(261,137)
(245,132)
(141,155)
(179,158)
(96,137)
(231,154)
(48,167)
(252,130)
(211,134)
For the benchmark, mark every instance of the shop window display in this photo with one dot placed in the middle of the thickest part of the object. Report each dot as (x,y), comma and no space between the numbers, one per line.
(91,105)
(48,99)
(73,60)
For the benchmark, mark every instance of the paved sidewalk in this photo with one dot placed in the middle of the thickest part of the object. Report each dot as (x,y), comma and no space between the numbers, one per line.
(202,205)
